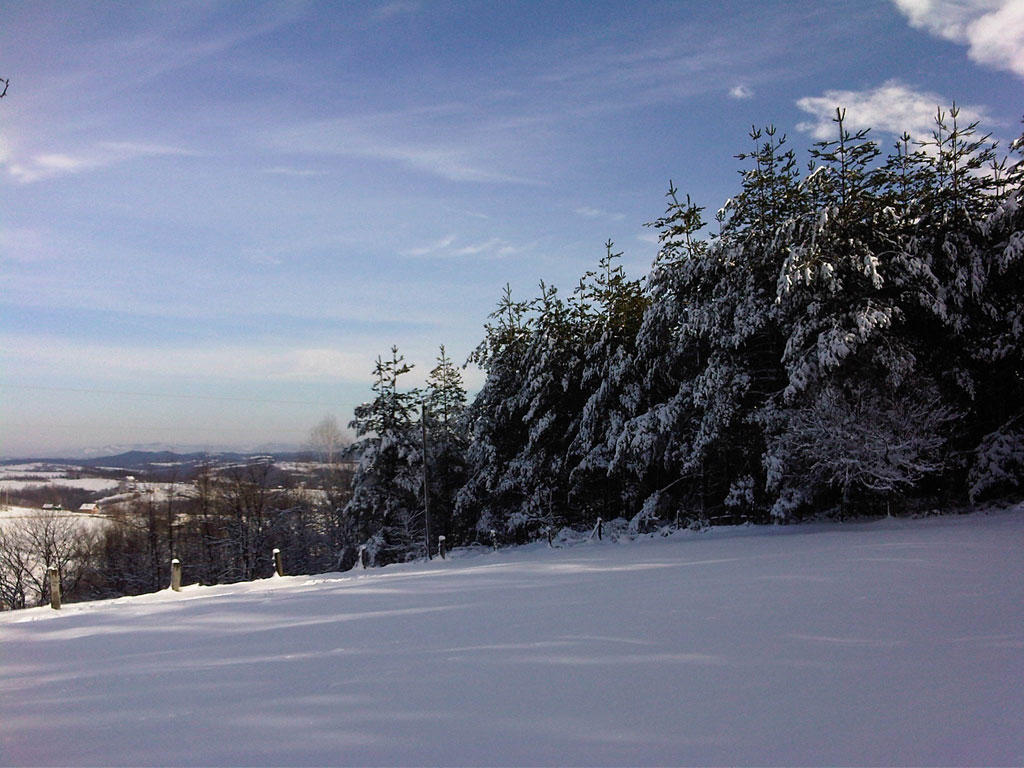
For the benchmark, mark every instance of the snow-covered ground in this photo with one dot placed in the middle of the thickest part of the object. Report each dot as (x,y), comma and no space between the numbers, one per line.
(37,469)
(86,483)
(11,515)
(159,492)
(894,642)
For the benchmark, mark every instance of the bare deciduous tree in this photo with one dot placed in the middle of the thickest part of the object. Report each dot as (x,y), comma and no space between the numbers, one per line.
(31,545)
(327,440)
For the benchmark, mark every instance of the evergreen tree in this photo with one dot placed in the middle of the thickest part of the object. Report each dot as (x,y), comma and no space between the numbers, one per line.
(551,399)
(385,511)
(495,421)
(850,337)
(609,344)
(846,348)
(997,463)
(654,450)
(447,444)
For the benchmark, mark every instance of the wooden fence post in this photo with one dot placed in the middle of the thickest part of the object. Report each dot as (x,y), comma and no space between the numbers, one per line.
(494,539)
(278,567)
(54,588)
(600,529)
(176,575)
(440,546)
(362,556)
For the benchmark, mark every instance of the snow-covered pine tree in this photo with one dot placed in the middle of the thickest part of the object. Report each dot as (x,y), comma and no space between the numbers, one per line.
(551,401)
(997,465)
(447,444)
(616,305)
(385,510)
(654,456)
(840,339)
(848,356)
(495,420)
(744,329)
(951,268)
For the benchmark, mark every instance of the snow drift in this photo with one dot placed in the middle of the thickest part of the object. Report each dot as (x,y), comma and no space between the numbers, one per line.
(887,642)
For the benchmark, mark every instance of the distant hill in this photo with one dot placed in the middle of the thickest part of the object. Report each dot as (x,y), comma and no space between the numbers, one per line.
(154,459)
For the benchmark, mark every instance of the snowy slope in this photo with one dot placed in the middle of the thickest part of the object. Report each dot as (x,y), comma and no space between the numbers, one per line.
(85,483)
(890,642)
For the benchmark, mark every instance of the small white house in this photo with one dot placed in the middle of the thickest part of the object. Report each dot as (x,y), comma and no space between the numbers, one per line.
(91,507)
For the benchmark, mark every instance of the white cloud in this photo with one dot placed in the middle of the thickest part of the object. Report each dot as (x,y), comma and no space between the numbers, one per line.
(447,247)
(426,250)
(892,107)
(588,212)
(395,8)
(993,30)
(283,170)
(492,247)
(741,92)
(126,150)
(46,165)
(449,142)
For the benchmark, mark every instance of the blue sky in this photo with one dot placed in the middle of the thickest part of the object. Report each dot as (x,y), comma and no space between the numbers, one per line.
(213,216)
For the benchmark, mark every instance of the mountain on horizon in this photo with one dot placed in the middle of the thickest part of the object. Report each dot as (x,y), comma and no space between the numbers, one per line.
(136,459)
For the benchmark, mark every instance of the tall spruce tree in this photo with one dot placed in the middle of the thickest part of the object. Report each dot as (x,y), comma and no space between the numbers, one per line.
(616,306)
(446,453)
(997,460)
(848,356)
(385,511)
(847,338)
(655,459)
(495,421)
(551,400)
(742,328)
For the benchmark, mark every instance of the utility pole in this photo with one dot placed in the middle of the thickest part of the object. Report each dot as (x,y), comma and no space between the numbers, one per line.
(426,487)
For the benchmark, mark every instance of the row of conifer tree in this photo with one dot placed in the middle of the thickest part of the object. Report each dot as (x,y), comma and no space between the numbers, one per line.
(845,337)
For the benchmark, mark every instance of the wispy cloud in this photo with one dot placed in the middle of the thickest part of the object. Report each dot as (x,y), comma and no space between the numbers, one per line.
(390,10)
(284,170)
(892,107)
(506,125)
(589,212)
(992,30)
(231,362)
(126,150)
(29,245)
(46,165)
(449,141)
(741,92)
(435,247)
(175,38)
(626,67)
(494,247)
(450,246)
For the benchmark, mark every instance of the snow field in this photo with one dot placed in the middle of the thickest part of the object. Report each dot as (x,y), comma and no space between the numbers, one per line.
(895,642)
(86,483)
(10,514)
